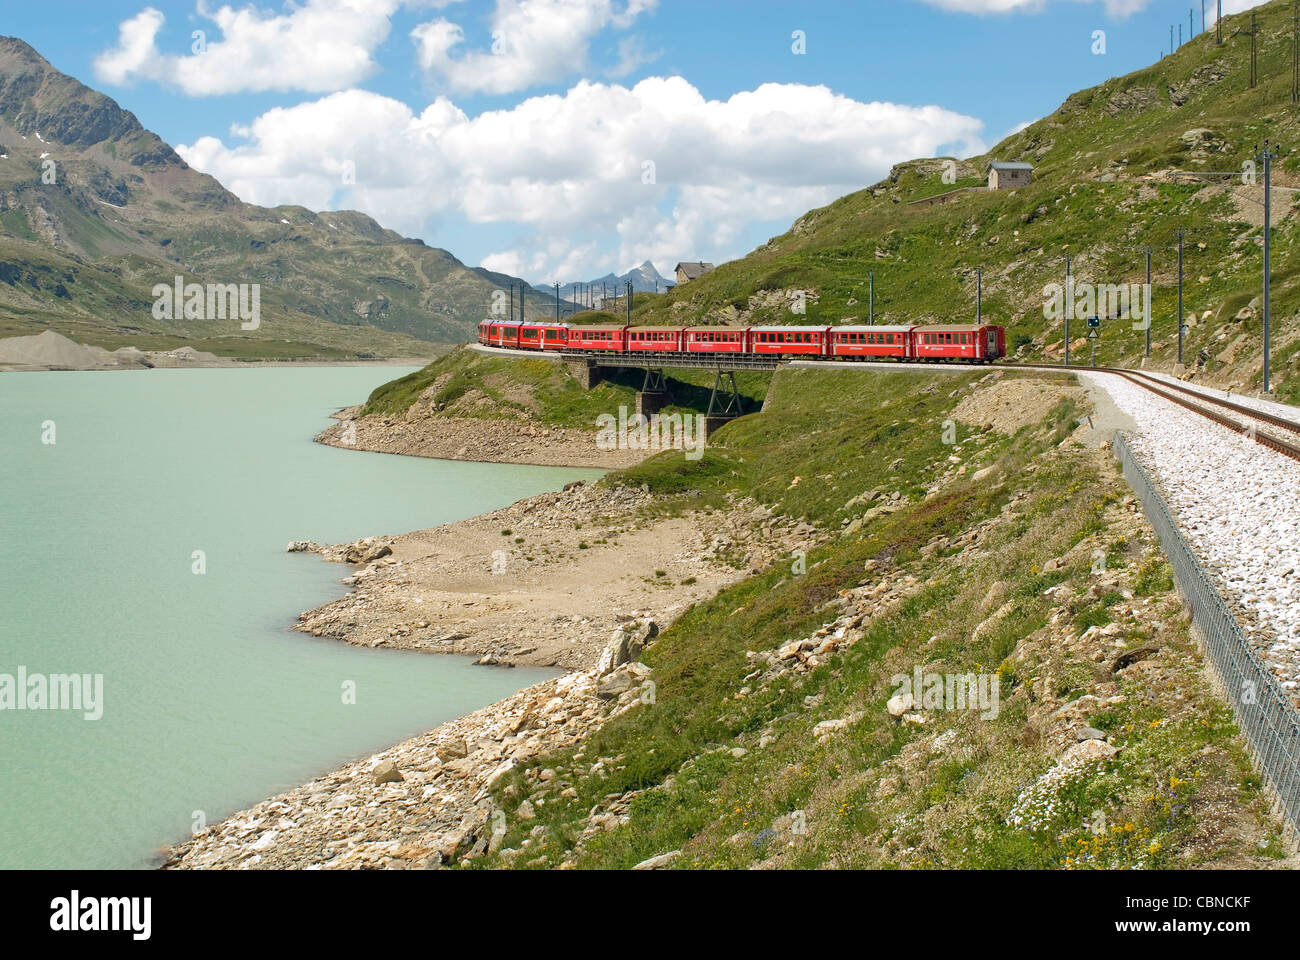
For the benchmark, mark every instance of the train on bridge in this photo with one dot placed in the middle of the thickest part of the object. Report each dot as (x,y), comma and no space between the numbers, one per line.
(981,343)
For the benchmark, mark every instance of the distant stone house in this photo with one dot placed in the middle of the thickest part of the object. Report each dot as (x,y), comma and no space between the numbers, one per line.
(1009,174)
(689,271)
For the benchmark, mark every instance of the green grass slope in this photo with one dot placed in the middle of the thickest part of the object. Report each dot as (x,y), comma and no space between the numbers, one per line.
(732,764)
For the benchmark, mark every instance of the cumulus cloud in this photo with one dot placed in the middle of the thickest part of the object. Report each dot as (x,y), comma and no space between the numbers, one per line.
(533,42)
(653,171)
(317,46)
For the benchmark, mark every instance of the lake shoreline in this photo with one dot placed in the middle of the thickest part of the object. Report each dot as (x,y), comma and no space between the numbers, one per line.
(586,595)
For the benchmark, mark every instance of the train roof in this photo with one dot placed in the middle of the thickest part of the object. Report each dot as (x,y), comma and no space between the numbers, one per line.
(779,327)
(503,323)
(953,327)
(668,329)
(716,329)
(877,328)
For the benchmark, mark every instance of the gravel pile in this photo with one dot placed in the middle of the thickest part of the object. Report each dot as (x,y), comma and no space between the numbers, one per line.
(1237,502)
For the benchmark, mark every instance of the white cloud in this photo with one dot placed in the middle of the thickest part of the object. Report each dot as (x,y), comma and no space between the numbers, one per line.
(569,169)
(1230,7)
(533,42)
(318,45)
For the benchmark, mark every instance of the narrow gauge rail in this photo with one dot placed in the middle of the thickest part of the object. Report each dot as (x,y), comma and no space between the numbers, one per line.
(1203,404)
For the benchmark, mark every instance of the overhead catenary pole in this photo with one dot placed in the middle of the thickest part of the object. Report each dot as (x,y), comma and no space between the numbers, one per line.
(1218,23)
(979,295)
(871,298)
(1295,53)
(1270,154)
(1148,310)
(1069,309)
(1180,296)
(1254,61)
(557,301)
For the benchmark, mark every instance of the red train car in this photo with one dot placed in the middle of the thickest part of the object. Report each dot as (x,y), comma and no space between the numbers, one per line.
(790,341)
(871,342)
(717,340)
(597,338)
(959,342)
(544,336)
(656,339)
(499,333)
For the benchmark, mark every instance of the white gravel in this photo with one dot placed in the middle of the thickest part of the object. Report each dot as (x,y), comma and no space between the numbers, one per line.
(1255,403)
(1238,504)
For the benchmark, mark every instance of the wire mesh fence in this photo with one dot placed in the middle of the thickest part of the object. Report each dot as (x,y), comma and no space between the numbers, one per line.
(1264,712)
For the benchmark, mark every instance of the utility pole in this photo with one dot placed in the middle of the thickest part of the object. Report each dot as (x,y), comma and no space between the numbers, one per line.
(1180,296)
(1069,309)
(1254,34)
(1148,292)
(1270,154)
(1295,54)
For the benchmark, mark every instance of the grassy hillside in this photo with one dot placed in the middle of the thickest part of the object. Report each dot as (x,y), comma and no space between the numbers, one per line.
(1105,188)
(745,758)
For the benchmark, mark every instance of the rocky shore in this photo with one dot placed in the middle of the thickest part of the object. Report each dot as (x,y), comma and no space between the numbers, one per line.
(581,579)
(425,801)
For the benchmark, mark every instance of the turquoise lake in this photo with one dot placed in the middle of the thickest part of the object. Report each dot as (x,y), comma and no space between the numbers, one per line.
(211,701)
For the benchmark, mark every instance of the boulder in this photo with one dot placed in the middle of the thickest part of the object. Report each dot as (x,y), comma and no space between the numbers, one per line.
(614,685)
(387,772)
(1087,750)
(452,750)
(658,862)
(900,704)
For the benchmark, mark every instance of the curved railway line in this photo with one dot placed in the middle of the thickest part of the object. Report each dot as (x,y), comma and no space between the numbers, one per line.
(1281,435)
(1278,433)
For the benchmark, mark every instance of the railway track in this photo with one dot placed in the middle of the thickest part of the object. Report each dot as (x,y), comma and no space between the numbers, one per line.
(1280,434)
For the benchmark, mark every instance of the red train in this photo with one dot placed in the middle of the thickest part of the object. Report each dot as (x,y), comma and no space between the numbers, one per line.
(975,342)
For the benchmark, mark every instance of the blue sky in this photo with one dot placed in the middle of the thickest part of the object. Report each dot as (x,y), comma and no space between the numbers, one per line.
(560,139)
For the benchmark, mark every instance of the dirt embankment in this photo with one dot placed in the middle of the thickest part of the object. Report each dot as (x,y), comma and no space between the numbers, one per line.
(544,581)
(469,438)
